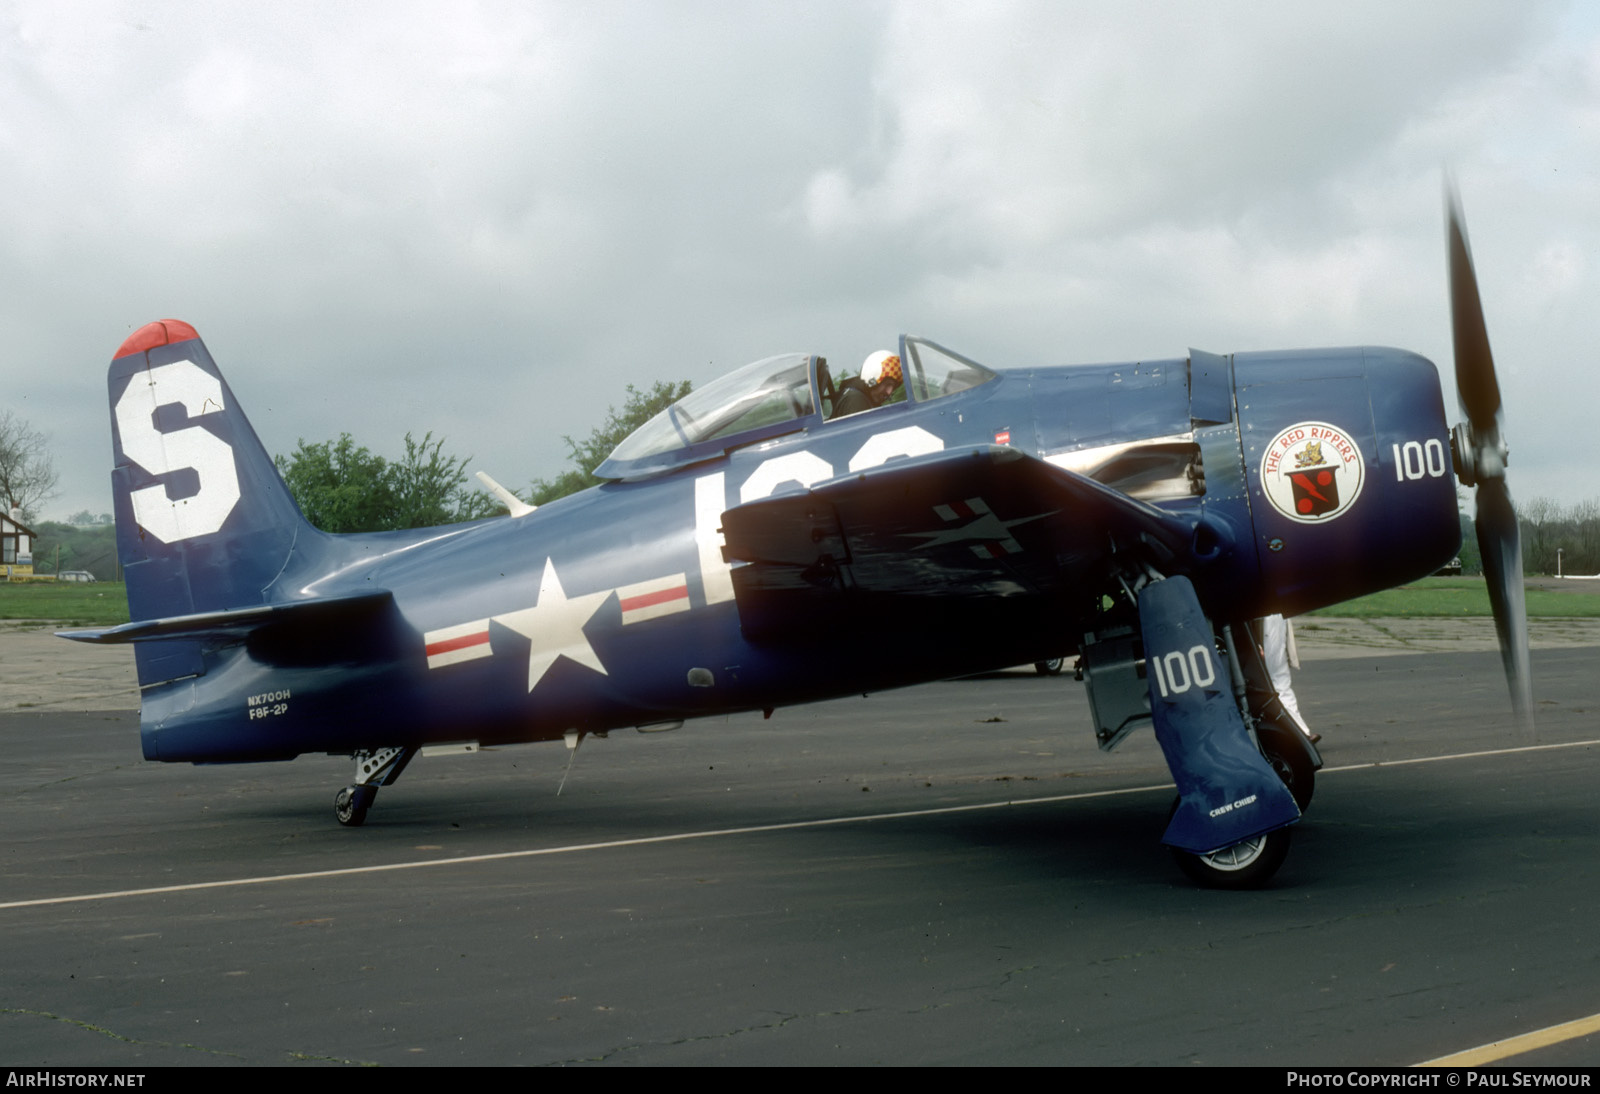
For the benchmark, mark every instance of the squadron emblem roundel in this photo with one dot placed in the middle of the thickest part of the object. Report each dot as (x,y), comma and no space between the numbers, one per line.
(1312,472)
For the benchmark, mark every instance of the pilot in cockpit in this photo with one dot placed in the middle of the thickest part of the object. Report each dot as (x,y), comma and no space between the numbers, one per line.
(880,381)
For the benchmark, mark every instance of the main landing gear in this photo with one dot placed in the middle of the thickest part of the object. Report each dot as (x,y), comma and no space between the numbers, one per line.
(373,769)
(1293,758)
(1242,778)
(1249,863)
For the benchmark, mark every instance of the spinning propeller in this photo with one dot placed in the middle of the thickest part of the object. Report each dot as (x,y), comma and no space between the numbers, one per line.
(1479,448)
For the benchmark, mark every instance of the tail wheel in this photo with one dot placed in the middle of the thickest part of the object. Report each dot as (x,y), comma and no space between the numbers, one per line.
(350,805)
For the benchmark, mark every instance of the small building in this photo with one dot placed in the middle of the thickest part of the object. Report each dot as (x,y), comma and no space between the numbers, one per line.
(16,547)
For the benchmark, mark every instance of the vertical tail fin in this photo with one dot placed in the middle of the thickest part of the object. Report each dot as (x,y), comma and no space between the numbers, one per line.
(204,521)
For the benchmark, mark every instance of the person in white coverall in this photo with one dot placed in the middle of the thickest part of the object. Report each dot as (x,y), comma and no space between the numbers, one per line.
(1277,646)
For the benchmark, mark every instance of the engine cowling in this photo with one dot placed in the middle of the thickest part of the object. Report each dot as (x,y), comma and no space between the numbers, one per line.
(1349,478)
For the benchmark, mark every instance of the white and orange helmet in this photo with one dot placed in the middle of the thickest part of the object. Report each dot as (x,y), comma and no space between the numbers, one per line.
(881,365)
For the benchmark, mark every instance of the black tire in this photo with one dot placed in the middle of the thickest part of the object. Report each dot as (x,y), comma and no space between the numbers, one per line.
(350,805)
(1245,865)
(1295,768)
(1051,667)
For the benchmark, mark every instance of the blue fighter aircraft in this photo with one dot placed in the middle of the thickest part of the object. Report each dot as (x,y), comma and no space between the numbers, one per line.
(950,517)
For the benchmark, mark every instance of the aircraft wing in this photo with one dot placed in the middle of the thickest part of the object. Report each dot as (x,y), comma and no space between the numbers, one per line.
(974,524)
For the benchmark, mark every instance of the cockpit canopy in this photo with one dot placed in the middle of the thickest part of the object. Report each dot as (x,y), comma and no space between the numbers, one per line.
(773,391)
(774,396)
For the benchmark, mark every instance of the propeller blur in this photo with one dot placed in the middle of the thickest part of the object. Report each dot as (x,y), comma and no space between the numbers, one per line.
(1480,460)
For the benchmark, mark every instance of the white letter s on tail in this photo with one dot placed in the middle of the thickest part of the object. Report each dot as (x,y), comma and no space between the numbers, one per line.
(194,447)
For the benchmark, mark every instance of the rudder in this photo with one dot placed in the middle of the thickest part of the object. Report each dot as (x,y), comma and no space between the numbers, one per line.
(204,521)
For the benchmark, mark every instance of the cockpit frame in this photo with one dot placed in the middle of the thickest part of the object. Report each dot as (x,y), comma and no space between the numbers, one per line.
(772,397)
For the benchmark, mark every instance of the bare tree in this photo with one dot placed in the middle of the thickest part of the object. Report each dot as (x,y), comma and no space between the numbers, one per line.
(27,473)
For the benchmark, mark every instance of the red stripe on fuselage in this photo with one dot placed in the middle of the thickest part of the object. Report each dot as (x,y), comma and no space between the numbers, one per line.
(449,644)
(649,600)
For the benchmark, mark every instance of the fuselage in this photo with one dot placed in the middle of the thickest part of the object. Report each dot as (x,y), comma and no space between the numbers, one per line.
(617,607)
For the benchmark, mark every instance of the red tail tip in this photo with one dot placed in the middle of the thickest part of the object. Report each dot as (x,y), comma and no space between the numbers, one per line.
(163,332)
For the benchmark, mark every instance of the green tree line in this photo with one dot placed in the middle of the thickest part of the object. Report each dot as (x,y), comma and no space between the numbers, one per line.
(1548,528)
(85,546)
(1545,526)
(341,486)
(585,455)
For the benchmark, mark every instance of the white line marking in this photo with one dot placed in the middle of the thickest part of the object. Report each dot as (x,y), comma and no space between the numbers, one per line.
(1459,756)
(640,841)
(678,837)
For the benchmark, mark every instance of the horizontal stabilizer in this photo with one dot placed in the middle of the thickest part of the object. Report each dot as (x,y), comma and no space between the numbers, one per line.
(238,622)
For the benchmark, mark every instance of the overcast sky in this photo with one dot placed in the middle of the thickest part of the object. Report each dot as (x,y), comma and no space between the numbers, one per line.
(486,220)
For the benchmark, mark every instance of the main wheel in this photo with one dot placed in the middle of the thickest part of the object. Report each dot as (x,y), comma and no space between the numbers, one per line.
(350,805)
(1291,759)
(1242,866)
(1297,775)
(1051,667)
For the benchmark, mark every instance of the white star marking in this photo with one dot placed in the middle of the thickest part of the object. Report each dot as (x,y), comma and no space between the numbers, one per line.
(555,626)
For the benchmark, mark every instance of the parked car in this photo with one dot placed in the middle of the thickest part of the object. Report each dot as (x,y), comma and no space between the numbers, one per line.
(82,577)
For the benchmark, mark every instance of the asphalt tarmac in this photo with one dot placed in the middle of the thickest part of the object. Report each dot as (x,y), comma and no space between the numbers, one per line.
(951,874)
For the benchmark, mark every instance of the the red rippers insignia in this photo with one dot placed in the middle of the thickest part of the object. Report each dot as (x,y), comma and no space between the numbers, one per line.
(1312,472)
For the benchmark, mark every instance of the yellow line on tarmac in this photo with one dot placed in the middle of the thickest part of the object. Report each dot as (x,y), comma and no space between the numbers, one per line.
(1516,1046)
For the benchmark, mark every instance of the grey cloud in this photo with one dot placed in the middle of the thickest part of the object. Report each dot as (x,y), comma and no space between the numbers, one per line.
(485,220)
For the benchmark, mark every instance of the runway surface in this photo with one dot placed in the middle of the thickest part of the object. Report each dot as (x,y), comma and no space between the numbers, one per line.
(949,874)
